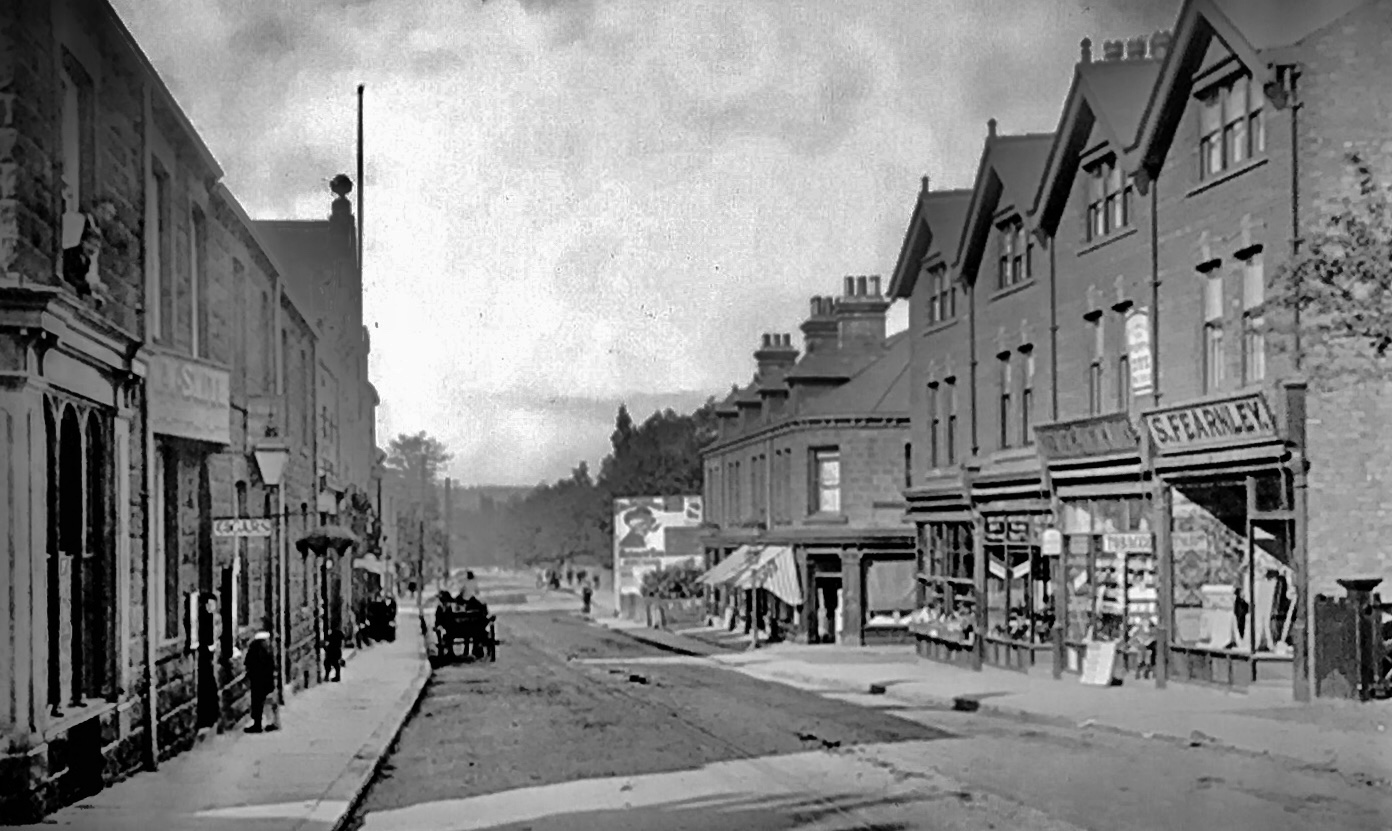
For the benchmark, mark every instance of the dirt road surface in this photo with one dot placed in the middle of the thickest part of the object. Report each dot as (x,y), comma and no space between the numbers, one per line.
(577,727)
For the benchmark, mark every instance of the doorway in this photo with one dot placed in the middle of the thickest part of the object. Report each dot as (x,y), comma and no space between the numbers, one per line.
(827,608)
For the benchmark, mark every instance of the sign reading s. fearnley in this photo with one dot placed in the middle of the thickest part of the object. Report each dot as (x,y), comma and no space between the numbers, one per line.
(190,400)
(1099,436)
(1237,420)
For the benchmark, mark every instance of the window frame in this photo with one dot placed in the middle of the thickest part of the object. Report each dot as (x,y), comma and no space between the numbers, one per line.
(1109,194)
(1253,318)
(1005,382)
(1228,139)
(821,458)
(950,439)
(1016,253)
(934,422)
(1026,397)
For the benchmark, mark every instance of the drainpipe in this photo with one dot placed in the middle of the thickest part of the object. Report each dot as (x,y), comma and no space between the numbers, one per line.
(1160,494)
(1053,334)
(282,527)
(1293,73)
(971,334)
(147,450)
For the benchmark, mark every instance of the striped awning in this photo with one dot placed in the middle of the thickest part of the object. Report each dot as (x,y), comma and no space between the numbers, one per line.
(729,568)
(775,571)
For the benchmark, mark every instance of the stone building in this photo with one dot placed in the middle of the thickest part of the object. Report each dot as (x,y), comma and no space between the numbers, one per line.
(152,345)
(1203,494)
(806,474)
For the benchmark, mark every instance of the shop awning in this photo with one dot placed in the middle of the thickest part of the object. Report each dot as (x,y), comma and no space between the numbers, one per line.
(775,571)
(729,568)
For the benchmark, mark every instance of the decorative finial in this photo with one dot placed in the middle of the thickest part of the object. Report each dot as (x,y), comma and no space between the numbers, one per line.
(341,185)
(991,127)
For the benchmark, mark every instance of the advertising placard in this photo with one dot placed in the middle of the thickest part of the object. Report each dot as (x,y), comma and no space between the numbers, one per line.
(652,532)
(1138,355)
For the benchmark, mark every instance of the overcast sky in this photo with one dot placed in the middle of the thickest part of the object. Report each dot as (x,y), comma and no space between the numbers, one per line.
(576,202)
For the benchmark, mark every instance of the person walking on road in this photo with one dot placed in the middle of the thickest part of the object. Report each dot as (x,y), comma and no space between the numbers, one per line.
(260,670)
(585,594)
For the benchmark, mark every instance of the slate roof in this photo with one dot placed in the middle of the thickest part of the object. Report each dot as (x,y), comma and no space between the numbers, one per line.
(1267,24)
(1118,92)
(1019,162)
(937,217)
(832,364)
(881,387)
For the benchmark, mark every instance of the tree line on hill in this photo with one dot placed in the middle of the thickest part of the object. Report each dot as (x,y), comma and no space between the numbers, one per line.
(567,521)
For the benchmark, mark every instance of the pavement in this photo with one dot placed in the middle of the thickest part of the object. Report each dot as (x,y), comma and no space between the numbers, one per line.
(307,775)
(1344,737)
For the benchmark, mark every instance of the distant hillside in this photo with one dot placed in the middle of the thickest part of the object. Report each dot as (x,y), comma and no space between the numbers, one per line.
(470,498)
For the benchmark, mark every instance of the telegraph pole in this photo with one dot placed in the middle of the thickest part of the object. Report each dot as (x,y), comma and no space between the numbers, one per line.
(449,529)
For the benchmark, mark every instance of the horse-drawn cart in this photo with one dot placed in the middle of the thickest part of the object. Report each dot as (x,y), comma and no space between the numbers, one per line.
(463,635)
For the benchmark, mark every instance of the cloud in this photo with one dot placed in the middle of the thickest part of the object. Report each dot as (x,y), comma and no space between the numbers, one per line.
(581,201)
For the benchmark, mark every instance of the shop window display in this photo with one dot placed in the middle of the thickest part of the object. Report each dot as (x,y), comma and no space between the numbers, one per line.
(950,594)
(1233,583)
(1110,570)
(1019,595)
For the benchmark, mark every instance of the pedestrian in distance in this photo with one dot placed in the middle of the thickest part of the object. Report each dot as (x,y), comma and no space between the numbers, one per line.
(333,654)
(260,670)
(585,594)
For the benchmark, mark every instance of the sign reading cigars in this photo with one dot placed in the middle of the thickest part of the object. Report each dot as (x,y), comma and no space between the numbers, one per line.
(246,527)
(1097,436)
(1235,420)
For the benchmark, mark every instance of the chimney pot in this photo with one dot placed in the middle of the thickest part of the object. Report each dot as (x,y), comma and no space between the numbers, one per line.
(1160,45)
(1087,50)
(874,285)
(1113,50)
(766,341)
(861,286)
(787,339)
(816,306)
(1136,49)
(850,286)
(991,127)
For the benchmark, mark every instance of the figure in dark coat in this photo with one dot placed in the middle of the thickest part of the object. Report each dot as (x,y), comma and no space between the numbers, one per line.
(333,654)
(260,670)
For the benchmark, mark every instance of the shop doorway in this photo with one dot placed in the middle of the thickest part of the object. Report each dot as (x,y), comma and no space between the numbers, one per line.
(826,611)
(1273,594)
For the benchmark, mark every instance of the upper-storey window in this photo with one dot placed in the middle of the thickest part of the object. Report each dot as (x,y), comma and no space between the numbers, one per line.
(826,481)
(1016,253)
(1231,129)
(942,296)
(1109,198)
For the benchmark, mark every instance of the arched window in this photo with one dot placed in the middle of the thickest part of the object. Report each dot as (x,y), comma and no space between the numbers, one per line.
(97,569)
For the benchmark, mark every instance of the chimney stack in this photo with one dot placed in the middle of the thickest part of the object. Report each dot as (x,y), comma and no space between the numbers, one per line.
(1160,45)
(1136,49)
(819,331)
(774,357)
(1113,50)
(1086,46)
(860,315)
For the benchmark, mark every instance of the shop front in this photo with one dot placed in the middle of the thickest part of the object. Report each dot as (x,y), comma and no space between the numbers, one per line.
(944,624)
(822,612)
(1107,573)
(1013,581)
(70,391)
(1235,602)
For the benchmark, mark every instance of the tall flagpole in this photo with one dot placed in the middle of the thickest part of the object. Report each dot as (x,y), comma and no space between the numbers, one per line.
(361,184)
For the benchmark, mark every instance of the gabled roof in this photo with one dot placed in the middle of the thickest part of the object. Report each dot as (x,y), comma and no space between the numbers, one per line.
(1247,28)
(1008,174)
(880,387)
(1108,95)
(937,218)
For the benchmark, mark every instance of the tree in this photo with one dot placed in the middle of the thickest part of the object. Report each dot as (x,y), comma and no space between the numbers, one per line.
(418,459)
(1334,299)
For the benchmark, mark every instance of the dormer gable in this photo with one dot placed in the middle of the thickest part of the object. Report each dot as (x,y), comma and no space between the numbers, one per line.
(1101,116)
(931,239)
(1250,32)
(1006,181)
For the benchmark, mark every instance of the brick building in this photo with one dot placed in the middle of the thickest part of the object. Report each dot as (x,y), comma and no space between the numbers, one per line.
(808,467)
(1174,443)
(152,343)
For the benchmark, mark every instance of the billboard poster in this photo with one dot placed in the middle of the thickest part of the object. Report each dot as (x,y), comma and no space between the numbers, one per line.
(652,532)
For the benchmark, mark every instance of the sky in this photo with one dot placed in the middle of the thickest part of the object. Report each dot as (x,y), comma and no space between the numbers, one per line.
(576,203)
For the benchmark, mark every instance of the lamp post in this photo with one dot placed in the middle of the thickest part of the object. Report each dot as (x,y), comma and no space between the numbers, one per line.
(272,454)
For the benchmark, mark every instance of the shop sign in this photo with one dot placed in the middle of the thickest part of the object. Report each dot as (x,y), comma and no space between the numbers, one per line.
(1097,436)
(1119,543)
(1138,356)
(1051,542)
(241,527)
(189,400)
(1239,420)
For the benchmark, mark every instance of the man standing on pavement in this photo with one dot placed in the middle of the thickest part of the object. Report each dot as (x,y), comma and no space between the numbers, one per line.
(260,670)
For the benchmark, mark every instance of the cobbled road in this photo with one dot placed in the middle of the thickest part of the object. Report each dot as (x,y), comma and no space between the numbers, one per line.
(579,727)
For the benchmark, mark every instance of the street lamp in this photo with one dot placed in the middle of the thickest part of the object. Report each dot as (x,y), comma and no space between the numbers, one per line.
(272,454)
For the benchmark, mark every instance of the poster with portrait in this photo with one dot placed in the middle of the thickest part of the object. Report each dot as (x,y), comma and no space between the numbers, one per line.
(652,532)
